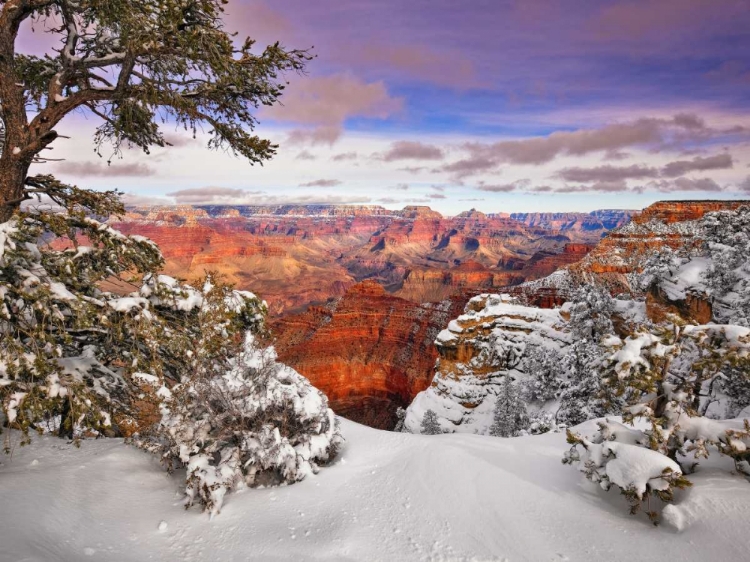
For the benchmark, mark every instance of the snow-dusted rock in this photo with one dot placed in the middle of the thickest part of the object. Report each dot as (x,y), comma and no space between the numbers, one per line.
(477,350)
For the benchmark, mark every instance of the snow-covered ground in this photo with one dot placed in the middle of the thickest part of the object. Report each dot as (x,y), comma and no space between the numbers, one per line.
(389,497)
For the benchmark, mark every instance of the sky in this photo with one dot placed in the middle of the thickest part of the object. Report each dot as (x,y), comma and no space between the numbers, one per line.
(498,105)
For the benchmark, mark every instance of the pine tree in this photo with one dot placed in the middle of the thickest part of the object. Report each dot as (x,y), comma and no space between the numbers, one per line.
(131,64)
(591,313)
(430,424)
(400,418)
(583,397)
(542,365)
(735,383)
(510,415)
(179,370)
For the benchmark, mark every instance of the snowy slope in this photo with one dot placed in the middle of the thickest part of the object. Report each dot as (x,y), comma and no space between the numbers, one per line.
(391,497)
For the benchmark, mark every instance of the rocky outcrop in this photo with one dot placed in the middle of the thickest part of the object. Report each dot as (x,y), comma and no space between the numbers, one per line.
(670,212)
(694,308)
(542,264)
(370,352)
(476,351)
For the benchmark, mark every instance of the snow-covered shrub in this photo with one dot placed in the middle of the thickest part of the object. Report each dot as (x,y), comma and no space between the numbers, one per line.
(658,266)
(430,424)
(542,421)
(735,443)
(510,417)
(616,456)
(259,423)
(666,378)
(79,360)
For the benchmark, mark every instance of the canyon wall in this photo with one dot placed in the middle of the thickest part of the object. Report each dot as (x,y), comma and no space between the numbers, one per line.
(369,351)
(489,341)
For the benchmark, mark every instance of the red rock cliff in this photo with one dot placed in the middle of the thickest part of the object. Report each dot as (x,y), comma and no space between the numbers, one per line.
(369,351)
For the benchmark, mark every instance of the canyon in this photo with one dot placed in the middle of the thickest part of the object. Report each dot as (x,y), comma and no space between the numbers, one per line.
(358,294)
(295,256)
(489,340)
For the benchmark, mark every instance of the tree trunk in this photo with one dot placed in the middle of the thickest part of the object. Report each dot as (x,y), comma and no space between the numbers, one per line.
(12,177)
(14,166)
(66,421)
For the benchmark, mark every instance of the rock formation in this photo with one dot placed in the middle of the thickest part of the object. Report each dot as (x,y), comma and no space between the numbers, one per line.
(297,255)
(369,351)
(622,252)
(476,351)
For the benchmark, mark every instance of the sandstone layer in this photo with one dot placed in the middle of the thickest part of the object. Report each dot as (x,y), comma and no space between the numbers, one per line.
(369,351)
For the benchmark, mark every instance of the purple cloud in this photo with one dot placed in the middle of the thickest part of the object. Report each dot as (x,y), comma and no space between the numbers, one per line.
(305,155)
(343,156)
(607,173)
(411,150)
(321,183)
(101,169)
(698,164)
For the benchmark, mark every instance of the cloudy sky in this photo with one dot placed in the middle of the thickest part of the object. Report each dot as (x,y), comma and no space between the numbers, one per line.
(501,105)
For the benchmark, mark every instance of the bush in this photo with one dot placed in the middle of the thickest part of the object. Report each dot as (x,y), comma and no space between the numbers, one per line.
(259,423)
(615,457)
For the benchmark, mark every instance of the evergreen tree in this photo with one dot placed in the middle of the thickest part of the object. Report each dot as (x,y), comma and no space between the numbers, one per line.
(68,350)
(582,398)
(179,370)
(542,365)
(400,418)
(430,424)
(735,383)
(591,313)
(510,415)
(131,64)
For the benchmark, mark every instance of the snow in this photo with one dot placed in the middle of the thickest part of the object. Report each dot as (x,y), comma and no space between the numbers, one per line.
(635,466)
(689,277)
(631,353)
(394,497)
(126,304)
(7,230)
(146,378)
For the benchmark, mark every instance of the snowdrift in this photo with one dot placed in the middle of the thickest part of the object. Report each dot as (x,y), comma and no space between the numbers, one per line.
(389,497)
